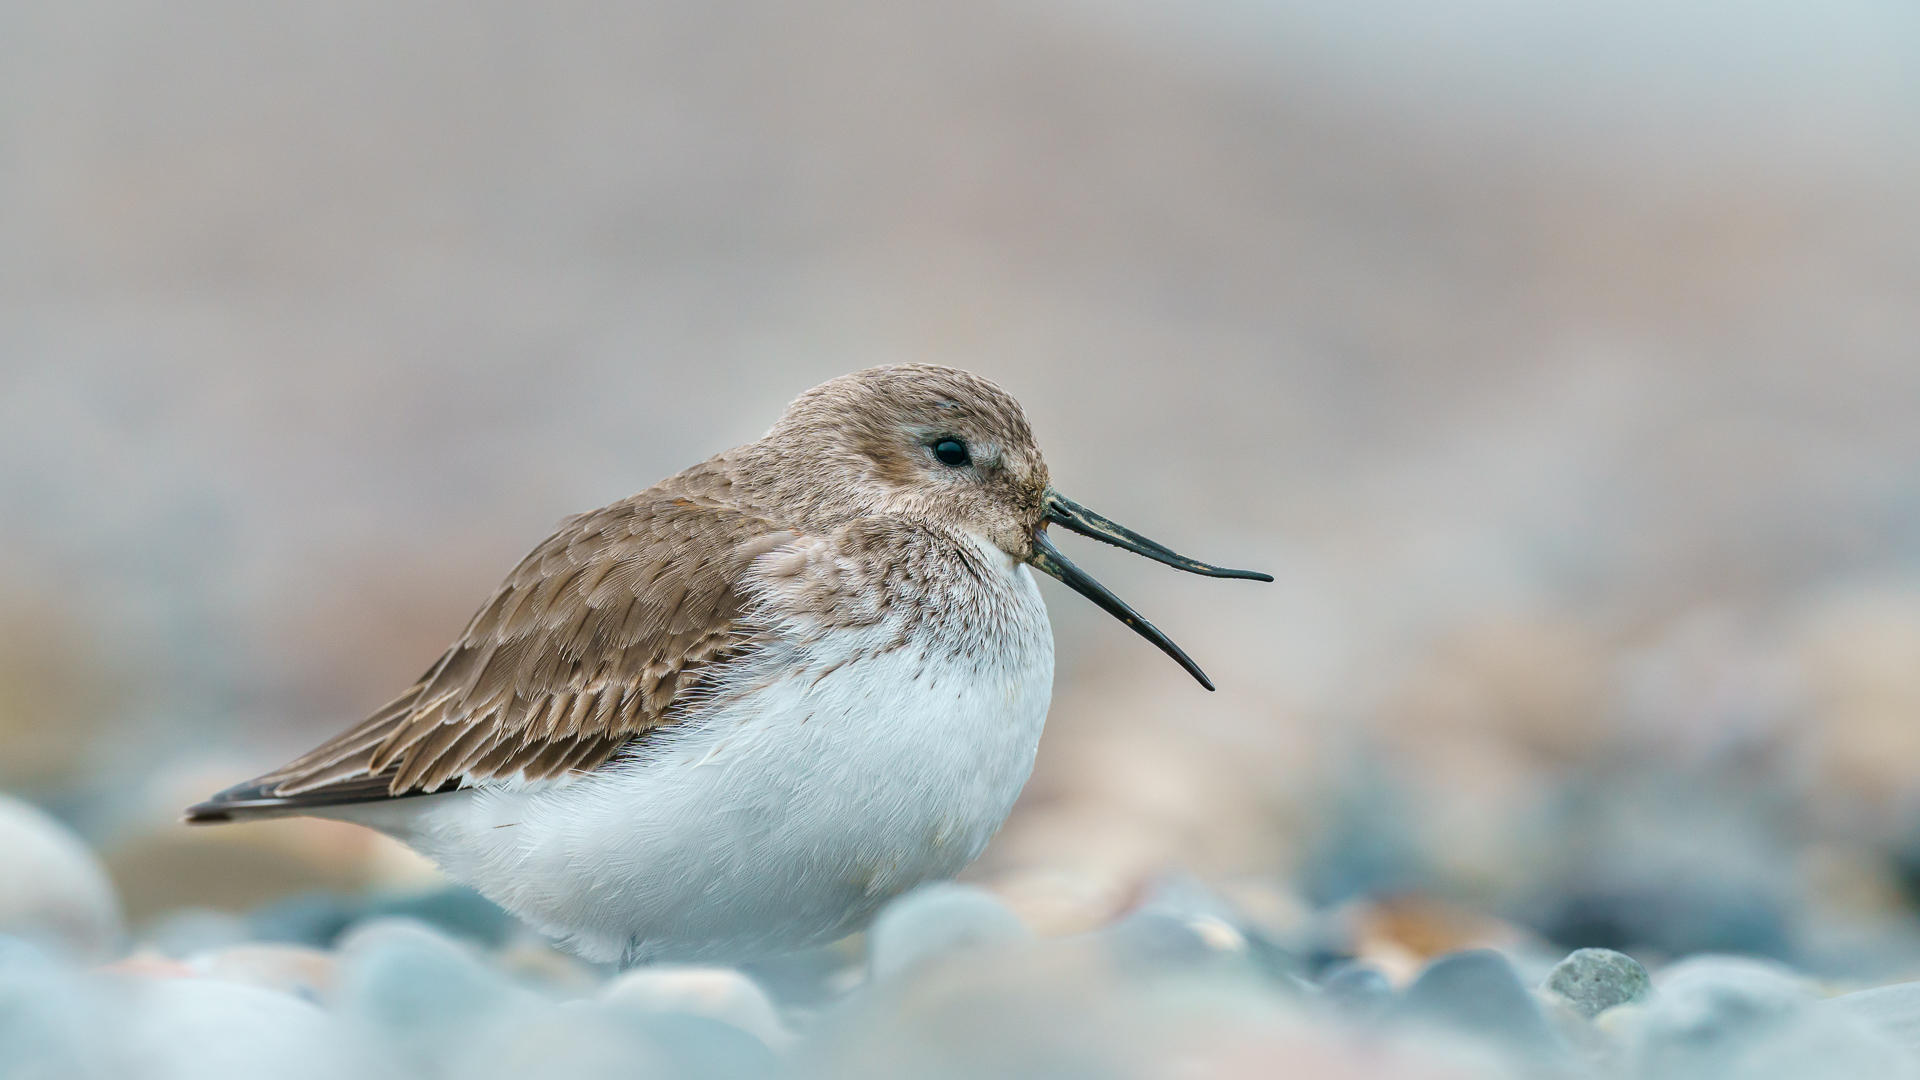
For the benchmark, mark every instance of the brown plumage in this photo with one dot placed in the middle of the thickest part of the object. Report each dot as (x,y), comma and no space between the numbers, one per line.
(594,637)
(583,647)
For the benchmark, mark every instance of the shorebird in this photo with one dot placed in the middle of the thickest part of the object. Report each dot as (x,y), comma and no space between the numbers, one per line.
(730,716)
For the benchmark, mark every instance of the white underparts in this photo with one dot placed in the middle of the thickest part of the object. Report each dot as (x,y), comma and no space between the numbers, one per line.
(830,772)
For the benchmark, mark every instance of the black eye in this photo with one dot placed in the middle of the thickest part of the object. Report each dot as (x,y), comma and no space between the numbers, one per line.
(952,452)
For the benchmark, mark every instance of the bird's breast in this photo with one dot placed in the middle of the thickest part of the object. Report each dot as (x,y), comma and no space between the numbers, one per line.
(906,740)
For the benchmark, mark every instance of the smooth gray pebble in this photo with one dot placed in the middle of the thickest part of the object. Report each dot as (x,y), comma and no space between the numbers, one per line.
(1592,981)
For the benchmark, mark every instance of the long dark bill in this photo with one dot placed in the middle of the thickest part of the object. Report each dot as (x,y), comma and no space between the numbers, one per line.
(1047,559)
(1064,511)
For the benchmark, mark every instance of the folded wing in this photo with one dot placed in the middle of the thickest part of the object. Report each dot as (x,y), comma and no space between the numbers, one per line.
(586,646)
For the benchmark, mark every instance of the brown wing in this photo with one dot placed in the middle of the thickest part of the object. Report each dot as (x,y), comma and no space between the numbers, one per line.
(585,646)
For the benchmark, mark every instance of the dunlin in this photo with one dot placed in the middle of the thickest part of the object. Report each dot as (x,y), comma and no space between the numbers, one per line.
(731,716)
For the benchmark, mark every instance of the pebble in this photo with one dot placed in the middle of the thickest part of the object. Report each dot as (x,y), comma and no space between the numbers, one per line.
(301,972)
(1356,989)
(48,1027)
(457,991)
(317,919)
(188,931)
(720,994)
(1893,1011)
(1181,923)
(940,920)
(1767,979)
(1145,942)
(1591,981)
(313,919)
(593,1040)
(1742,1019)
(576,1041)
(53,891)
(1478,992)
(455,910)
(426,1000)
(812,978)
(206,1029)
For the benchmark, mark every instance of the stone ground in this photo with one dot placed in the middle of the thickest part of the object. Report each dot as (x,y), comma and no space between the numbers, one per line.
(949,982)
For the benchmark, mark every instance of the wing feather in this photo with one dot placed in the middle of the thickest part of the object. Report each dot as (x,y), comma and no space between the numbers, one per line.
(586,646)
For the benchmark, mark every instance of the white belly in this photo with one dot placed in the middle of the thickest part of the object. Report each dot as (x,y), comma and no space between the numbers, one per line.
(782,815)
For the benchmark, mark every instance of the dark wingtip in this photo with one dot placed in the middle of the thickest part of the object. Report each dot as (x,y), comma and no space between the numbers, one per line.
(258,799)
(231,805)
(207,814)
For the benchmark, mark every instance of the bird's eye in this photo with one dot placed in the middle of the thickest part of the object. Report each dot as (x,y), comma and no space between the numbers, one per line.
(952,452)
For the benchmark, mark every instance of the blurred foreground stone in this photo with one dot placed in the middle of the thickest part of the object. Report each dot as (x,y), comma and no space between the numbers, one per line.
(52,889)
(940,920)
(1479,993)
(1890,1011)
(948,983)
(213,1029)
(1744,1020)
(714,993)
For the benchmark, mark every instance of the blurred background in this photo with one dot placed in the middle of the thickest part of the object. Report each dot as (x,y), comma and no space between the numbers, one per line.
(1559,360)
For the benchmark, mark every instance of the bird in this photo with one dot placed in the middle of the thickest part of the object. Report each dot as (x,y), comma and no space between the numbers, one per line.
(728,718)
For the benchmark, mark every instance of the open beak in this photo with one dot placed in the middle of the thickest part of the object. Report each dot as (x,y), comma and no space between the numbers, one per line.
(1071,515)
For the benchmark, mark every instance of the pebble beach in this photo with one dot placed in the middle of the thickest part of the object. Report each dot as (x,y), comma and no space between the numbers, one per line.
(950,981)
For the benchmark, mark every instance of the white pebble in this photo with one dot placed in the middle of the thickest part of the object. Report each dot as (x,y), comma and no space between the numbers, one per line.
(938,920)
(203,1029)
(1738,1019)
(286,969)
(716,993)
(53,891)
